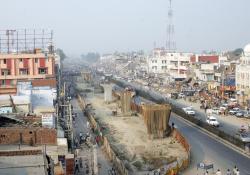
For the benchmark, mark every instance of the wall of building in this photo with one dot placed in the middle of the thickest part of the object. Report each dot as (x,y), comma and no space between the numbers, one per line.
(207,67)
(23,67)
(28,136)
(175,64)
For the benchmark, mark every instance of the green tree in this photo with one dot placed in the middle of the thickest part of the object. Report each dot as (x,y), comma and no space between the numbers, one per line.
(61,54)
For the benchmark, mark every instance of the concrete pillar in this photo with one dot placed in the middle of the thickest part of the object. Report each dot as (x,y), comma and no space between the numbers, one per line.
(107,92)
(126,97)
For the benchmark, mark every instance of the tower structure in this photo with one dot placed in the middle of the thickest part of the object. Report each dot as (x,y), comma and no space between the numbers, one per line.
(170,43)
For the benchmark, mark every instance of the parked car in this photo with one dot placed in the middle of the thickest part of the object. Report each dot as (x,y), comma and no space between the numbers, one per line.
(233,111)
(211,120)
(245,137)
(189,111)
(240,113)
(181,95)
(233,100)
(225,105)
(247,114)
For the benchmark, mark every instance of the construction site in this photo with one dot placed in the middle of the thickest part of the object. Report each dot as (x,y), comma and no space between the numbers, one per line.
(138,135)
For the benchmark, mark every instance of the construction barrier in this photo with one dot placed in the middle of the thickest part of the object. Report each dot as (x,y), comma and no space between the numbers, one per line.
(118,164)
(182,140)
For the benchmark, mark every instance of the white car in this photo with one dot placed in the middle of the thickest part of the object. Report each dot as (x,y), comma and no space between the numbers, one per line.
(189,111)
(181,95)
(211,120)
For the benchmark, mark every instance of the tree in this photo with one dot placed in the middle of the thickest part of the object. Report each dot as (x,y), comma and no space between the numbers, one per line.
(91,57)
(61,54)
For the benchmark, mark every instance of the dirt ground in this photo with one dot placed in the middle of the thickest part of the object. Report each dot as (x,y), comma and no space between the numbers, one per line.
(128,137)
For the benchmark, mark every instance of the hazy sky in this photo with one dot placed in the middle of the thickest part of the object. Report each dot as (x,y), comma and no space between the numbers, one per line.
(123,25)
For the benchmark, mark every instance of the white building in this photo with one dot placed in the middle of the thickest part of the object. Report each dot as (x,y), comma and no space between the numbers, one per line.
(243,71)
(205,72)
(243,77)
(174,64)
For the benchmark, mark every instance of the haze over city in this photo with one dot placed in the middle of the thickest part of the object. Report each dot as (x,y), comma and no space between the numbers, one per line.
(114,25)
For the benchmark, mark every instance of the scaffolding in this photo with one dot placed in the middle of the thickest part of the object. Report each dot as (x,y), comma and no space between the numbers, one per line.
(26,41)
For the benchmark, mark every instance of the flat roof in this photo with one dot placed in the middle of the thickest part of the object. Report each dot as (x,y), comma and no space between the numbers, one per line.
(22,165)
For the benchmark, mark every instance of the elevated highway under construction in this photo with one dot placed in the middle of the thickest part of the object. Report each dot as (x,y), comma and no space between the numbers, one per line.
(205,146)
(142,140)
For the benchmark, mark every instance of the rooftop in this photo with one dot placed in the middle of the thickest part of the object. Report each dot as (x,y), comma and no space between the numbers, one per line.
(24,162)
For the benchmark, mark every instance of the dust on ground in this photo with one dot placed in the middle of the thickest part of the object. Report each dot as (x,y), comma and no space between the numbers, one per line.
(129,139)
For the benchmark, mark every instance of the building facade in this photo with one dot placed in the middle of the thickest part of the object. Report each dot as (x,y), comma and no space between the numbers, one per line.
(21,67)
(174,64)
(243,74)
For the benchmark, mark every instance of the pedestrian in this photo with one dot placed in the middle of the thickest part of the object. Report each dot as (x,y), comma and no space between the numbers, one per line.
(76,167)
(80,162)
(228,172)
(206,173)
(235,170)
(88,124)
(218,172)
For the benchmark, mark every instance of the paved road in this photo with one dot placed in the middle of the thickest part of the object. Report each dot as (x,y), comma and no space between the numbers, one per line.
(81,126)
(228,127)
(205,148)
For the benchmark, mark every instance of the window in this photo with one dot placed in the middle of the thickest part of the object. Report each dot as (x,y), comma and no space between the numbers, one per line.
(21,60)
(42,70)
(164,61)
(3,82)
(5,72)
(36,60)
(23,71)
(4,61)
(154,67)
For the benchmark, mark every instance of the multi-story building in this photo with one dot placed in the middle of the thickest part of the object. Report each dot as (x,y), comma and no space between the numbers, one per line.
(21,67)
(175,64)
(23,60)
(242,72)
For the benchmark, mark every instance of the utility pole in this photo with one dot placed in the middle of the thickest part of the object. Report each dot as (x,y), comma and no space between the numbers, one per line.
(223,83)
(70,126)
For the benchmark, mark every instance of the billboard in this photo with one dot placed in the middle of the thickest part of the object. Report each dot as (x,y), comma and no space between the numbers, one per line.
(48,120)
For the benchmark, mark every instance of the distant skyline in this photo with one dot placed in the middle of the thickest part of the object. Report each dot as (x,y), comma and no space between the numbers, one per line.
(82,26)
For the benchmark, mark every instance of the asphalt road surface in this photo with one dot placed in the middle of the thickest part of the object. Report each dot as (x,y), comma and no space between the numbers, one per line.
(206,149)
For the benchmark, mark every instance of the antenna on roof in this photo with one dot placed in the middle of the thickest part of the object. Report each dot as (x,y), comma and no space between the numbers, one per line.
(170,43)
